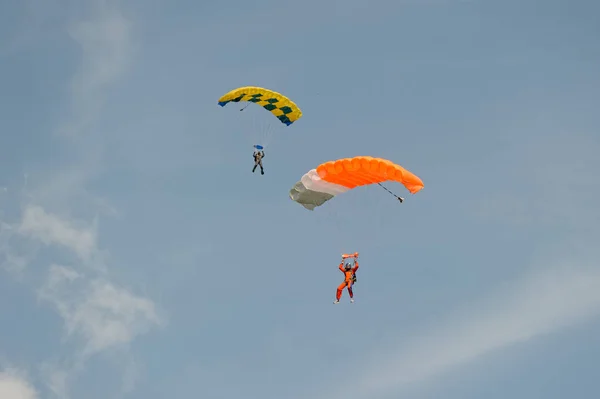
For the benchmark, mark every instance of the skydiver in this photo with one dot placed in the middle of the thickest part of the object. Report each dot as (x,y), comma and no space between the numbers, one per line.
(258,156)
(349,277)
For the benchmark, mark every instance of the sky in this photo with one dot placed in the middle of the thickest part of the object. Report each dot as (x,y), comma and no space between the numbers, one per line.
(141,258)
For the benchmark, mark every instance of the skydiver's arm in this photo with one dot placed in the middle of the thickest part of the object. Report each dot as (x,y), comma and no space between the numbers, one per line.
(341,267)
(263,154)
(355,266)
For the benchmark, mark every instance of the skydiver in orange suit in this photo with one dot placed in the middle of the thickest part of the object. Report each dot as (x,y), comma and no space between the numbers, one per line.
(349,277)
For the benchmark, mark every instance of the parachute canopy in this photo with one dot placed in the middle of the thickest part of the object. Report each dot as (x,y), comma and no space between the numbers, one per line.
(282,107)
(336,177)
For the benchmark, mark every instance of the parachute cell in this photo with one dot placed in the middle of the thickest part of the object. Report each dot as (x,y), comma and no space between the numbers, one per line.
(279,105)
(332,178)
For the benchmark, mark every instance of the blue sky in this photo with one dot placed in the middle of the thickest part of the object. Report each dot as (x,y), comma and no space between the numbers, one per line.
(140,258)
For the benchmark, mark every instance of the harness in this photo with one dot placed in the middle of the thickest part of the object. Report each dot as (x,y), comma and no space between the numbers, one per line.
(354,279)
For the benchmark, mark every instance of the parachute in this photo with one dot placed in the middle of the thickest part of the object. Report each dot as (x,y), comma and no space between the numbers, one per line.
(332,178)
(279,105)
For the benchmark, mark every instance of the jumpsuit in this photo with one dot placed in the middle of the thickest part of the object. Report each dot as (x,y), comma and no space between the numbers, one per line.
(348,280)
(258,156)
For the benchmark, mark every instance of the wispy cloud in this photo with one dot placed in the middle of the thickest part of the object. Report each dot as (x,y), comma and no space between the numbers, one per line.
(50,229)
(14,385)
(56,379)
(99,314)
(106,45)
(10,259)
(96,310)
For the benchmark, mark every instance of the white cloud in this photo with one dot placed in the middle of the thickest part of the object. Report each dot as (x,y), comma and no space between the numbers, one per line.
(541,303)
(14,386)
(105,41)
(15,254)
(8,260)
(102,314)
(50,229)
(98,313)
(56,380)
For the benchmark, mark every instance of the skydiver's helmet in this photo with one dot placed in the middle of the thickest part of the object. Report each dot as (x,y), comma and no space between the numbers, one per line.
(348,266)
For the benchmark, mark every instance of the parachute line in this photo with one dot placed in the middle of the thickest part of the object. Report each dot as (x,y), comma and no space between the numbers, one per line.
(386,189)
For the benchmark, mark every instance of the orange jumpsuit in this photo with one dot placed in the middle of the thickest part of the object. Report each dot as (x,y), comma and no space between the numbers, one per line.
(347,280)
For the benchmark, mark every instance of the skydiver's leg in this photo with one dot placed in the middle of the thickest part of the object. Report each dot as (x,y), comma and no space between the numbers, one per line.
(262,171)
(254,168)
(350,292)
(338,293)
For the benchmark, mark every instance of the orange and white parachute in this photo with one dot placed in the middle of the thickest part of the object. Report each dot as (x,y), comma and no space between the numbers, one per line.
(332,178)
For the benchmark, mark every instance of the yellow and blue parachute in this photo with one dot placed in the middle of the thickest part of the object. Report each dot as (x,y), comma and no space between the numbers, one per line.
(279,105)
